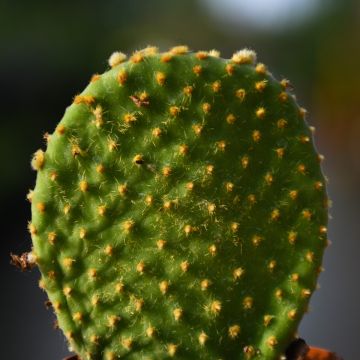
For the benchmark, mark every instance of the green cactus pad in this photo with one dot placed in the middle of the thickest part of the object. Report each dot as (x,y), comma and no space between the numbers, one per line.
(180,210)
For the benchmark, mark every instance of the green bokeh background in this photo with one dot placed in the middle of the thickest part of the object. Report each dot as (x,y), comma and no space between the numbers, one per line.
(48,52)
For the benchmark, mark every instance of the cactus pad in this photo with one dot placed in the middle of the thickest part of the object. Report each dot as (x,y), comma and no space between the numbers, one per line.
(180,210)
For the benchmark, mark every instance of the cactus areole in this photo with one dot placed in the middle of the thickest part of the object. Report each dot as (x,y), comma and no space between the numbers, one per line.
(180,210)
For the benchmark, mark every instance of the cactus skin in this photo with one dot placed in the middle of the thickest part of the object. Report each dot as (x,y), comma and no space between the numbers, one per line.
(180,210)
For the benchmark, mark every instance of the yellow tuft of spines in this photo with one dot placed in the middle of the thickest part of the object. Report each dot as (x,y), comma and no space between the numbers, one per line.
(188,229)
(174,110)
(113,320)
(101,210)
(216,86)
(292,314)
(160,244)
(272,341)
(256,136)
(122,189)
(179,50)
(110,355)
(230,69)
(98,113)
(256,240)
(92,273)
(100,168)
(268,319)
(184,266)
(78,317)
(197,70)
(160,78)
(221,145)
(149,199)
(188,90)
(52,237)
(138,303)
(197,129)
(166,171)
(84,99)
(260,85)
(206,107)
(245,161)
(215,307)
(230,119)
(38,160)
(204,284)
(41,207)
(214,53)
(68,262)
(129,118)
(201,55)
(183,149)
(164,286)
(30,195)
(137,57)
(95,78)
(248,303)
(178,313)
(150,331)
(260,112)
(138,159)
(140,267)
(116,58)
(306,214)
(122,77)
(67,291)
(127,343)
(32,229)
(238,273)
(271,265)
(171,349)
(213,250)
(60,129)
(234,331)
(234,226)
(109,250)
(260,68)
(275,215)
(203,337)
(283,96)
(156,132)
(279,294)
(211,208)
(119,287)
(281,123)
(83,186)
(150,50)
(244,56)
(240,94)
(166,57)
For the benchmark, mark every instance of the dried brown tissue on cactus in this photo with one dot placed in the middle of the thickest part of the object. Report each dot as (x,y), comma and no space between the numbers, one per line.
(180,210)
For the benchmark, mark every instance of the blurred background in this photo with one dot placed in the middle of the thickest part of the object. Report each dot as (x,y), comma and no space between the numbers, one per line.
(50,49)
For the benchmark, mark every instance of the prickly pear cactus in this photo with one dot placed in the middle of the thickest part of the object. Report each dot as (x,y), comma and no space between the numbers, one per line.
(180,210)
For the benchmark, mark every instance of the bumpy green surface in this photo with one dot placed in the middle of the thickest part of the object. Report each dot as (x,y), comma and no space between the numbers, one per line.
(180,211)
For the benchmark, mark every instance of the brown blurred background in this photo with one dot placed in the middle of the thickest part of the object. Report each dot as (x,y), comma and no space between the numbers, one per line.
(49,50)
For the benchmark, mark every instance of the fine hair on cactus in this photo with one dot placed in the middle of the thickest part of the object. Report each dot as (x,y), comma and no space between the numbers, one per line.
(180,210)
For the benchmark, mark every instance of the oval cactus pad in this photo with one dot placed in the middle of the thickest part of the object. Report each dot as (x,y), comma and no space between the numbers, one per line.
(180,210)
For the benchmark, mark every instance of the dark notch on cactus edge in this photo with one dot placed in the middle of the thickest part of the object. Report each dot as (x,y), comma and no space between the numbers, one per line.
(297,350)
